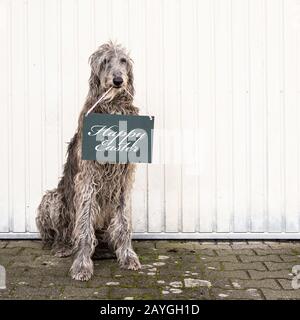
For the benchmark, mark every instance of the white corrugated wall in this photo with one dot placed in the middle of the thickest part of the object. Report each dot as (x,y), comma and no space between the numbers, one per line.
(222,77)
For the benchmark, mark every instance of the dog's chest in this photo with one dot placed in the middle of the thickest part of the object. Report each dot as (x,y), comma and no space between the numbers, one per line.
(113,176)
(115,110)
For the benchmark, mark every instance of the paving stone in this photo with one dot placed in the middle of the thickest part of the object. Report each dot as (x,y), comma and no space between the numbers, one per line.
(84,298)
(3,244)
(175,253)
(209,242)
(238,242)
(137,293)
(250,294)
(256,258)
(283,244)
(24,261)
(237,274)
(264,252)
(221,283)
(175,244)
(93,293)
(27,291)
(143,244)
(245,245)
(201,293)
(213,246)
(5,260)
(193,267)
(189,258)
(230,258)
(274,266)
(166,272)
(11,251)
(36,297)
(287,258)
(151,281)
(36,244)
(189,245)
(51,261)
(281,294)
(131,281)
(5,294)
(192,283)
(257,244)
(285,274)
(244,266)
(221,242)
(285,283)
(40,271)
(63,281)
(23,280)
(147,248)
(257,284)
(207,252)
(36,251)
(235,252)
(213,266)
(106,271)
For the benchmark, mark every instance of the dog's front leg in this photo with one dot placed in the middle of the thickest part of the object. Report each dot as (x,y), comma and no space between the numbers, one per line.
(119,235)
(84,231)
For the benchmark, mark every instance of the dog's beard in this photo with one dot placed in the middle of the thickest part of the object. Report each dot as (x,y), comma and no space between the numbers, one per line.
(114,92)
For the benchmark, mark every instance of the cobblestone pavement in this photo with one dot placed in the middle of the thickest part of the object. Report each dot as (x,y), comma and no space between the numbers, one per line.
(171,270)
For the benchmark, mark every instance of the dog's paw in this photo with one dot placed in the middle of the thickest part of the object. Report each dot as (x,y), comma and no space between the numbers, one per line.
(63,252)
(82,270)
(83,275)
(132,263)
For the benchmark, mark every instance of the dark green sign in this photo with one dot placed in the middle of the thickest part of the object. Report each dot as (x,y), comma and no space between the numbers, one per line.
(117,138)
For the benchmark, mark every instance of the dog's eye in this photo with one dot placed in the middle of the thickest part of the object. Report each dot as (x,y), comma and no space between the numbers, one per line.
(105,61)
(123,60)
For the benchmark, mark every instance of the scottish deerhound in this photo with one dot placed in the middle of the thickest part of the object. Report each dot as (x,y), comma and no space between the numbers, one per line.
(94,196)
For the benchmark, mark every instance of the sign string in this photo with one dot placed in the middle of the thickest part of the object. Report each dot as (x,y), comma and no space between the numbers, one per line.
(103,96)
(98,101)
(138,103)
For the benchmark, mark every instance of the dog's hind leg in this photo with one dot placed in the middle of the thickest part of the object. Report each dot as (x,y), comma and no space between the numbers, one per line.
(52,224)
(84,231)
(47,216)
(63,246)
(119,234)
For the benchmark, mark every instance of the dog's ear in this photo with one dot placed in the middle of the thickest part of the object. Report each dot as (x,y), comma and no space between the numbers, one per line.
(94,83)
(98,59)
(130,78)
(94,62)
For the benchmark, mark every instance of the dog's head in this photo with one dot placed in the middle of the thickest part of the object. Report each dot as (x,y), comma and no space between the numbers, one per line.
(111,66)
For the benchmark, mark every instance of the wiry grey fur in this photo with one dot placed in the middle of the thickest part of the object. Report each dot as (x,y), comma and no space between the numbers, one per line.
(90,195)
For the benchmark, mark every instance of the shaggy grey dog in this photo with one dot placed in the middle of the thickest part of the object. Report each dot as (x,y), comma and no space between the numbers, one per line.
(93,196)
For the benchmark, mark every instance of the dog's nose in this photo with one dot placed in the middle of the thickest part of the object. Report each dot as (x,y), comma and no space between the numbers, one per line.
(117,81)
